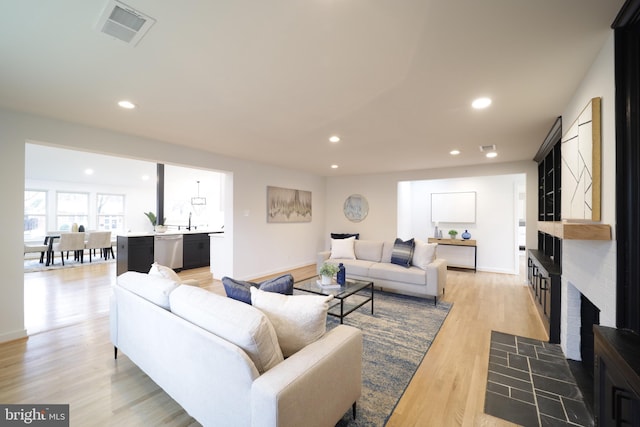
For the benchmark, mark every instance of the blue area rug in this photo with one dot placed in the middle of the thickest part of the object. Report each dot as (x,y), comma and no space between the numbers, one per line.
(31,265)
(396,339)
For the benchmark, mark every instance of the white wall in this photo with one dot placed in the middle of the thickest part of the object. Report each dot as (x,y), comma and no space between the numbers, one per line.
(590,266)
(258,248)
(382,190)
(495,228)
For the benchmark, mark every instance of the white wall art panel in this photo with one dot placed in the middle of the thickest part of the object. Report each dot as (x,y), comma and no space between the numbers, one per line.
(581,166)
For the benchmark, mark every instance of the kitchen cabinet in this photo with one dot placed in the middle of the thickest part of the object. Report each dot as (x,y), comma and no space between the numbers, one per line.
(196,250)
(134,254)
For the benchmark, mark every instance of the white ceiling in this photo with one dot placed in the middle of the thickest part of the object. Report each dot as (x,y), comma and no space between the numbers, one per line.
(270,81)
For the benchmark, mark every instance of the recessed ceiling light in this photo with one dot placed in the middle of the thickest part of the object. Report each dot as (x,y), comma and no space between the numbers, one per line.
(127,104)
(334,166)
(145,177)
(492,154)
(88,171)
(481,103)
(334,138)
(454,152)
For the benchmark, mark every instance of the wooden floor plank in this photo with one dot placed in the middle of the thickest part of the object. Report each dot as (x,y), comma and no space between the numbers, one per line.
(68,357)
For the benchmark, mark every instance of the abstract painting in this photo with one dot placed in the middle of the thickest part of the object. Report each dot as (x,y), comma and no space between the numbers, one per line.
(287,205)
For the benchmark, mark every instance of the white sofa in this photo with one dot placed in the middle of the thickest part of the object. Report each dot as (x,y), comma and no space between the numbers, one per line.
(229,381)
(371,260)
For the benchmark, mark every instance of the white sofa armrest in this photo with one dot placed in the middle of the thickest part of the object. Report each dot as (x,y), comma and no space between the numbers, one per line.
(313,387)
(321,258)
(437,276)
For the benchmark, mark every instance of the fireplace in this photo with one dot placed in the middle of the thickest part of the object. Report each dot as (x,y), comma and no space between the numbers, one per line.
(589,316)
(580,316)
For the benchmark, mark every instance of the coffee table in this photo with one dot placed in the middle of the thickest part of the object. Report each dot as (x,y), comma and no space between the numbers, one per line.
(348,297)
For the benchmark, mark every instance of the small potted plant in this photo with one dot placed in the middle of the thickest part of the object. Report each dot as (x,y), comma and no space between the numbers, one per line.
(160,228)
(327,271)
(453,233)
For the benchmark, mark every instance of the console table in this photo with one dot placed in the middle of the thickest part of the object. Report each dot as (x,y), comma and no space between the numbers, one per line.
(459,253)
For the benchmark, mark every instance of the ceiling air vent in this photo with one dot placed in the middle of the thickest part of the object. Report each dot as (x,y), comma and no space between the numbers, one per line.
(124,23)
(487,148)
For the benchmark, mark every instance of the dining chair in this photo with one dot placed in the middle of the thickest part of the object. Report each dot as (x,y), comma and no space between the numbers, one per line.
(72,241)
(98,240)
(30,249)
(114,243)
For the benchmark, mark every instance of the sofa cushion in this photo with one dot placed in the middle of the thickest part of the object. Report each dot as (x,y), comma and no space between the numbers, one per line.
(166,272)
(396,273)
(342,248)
(423,254)
(354,267)
(298,320)
(402,252)
(153,288)
(387,250)
(239,289)
(238,323)
(368,250)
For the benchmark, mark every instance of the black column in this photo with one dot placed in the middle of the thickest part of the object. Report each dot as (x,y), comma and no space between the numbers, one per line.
(160,194)
(627,81)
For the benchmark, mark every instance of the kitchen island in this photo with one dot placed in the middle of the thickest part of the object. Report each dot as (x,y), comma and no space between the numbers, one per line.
(178,249)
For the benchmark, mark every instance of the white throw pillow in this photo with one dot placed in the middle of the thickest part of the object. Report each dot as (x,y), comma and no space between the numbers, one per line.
(166,272)
(298,320)
(153,288)
(343,248)
(234,321)
(423,254)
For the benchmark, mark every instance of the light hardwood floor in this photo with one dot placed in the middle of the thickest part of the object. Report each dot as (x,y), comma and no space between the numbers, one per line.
(68,357)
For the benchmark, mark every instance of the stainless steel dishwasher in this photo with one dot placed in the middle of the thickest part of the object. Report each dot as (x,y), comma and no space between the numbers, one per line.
(168,250)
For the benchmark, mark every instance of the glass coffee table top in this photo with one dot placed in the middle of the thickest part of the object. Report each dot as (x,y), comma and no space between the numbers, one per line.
(346,298)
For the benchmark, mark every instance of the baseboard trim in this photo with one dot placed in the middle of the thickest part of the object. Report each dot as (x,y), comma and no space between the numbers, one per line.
(11,336)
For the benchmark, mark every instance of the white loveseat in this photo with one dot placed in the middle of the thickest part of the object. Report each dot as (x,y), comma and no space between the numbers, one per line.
(425,276)
(238,380)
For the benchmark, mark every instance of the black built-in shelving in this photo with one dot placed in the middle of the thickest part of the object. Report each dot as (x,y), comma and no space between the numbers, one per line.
(545,263)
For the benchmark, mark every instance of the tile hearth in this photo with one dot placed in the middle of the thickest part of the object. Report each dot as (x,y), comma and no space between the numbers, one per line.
(530,383)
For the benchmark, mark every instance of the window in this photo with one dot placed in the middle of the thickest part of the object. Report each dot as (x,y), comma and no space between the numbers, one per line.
(35,214)
(72,208)
(110,210)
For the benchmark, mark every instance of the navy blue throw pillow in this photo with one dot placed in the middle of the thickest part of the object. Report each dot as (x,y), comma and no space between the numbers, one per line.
(241,290)
(280,285)
(345,235)
(403,252)
(238,289)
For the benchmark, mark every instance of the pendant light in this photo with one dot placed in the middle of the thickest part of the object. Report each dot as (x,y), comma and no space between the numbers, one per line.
(198,201)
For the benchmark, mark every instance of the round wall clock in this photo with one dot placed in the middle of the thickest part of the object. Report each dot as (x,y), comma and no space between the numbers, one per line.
(356,208)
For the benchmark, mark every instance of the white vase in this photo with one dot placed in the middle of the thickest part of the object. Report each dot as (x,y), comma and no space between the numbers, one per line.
(325,280)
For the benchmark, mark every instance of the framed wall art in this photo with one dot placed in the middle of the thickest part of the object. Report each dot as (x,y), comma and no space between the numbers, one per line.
(287,205)
(458,207)
(356,208)
(580,171)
